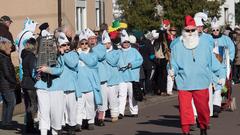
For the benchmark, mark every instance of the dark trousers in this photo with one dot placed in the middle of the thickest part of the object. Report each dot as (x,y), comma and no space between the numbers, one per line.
(148,81)
(9,102)
(161,75)
(30,101)
(236,73)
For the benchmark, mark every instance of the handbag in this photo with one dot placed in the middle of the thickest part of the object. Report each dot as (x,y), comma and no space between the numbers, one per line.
(137,91)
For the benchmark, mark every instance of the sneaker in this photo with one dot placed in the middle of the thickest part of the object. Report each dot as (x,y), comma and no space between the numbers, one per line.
(193,127)
(114,119)
(215,115)
(120,116)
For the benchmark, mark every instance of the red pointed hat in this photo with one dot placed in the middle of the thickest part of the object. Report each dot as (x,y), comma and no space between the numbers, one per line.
(189,21)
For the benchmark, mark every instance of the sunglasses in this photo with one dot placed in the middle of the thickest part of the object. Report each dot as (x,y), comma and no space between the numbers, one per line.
(215,30)
(126,42)
(85,43)
(63,45)
(190,30)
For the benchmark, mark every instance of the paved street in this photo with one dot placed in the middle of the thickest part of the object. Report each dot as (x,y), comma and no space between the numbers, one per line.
(158,116)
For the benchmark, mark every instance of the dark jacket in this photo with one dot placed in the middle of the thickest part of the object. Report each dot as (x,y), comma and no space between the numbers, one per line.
(147,51)
(4,32)
(7,73)
(29,64)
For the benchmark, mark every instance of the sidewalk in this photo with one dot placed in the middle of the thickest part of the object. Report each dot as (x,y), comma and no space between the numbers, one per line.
(19,118)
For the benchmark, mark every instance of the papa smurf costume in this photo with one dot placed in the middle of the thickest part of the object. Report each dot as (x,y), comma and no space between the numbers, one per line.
(23,36)
(193,84)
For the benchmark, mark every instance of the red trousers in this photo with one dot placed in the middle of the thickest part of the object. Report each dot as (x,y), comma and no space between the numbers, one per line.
(200,98)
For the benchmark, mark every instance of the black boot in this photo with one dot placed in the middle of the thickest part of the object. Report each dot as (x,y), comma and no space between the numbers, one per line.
(203,132)
(100,123)
(60,132)
(71,130)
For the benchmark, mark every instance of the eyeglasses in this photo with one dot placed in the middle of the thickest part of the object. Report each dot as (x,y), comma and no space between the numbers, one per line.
(85,43)
(190,30)
(215,30)
(126,42)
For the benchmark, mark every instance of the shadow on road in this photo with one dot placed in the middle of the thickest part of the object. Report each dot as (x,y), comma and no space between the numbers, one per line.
(155,133)
(165,120)
(15,126)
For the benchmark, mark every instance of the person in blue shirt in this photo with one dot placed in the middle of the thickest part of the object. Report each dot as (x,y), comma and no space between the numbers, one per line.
(100,71)
(110,94)
(129,64)
(86,109)
(224,49)
(193,63)
(65,82)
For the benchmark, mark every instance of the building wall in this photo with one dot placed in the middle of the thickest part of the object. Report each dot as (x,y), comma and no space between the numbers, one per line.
(47,11)
(228,16)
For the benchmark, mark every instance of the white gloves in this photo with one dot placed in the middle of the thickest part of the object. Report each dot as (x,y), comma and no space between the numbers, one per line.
(221,81)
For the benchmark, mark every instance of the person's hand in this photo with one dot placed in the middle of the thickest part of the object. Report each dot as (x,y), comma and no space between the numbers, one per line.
(44,69)
(129,65)
(221,81)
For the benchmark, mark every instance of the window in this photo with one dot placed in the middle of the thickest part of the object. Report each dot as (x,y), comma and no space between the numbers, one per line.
(81,15)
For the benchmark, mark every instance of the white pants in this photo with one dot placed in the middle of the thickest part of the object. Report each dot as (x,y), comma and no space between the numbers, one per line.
(170,82)
(217,98)
(86,108)
(109,95)
(70,109)
(211,99)
(50,106)
(124,90)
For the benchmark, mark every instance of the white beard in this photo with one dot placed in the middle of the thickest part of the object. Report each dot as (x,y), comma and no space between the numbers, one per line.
(190,41)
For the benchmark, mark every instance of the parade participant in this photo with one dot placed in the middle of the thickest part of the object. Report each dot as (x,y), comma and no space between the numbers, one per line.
(236,72)
(99,72)
(44,29)
(27,84)
(129,63)
(7,82)
(22,37)
(110,93)
(189,51)
(86,83)
(170,81)
(5,22)
(224,49)
(147,70)
(50,109)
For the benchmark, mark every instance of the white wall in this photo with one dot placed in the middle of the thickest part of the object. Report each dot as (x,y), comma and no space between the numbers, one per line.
(228,16)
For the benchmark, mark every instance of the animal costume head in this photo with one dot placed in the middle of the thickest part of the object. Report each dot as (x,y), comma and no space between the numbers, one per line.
(23,36)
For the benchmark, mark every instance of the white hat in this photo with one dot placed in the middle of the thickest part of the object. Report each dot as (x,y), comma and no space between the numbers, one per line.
(124,36)
(199,18)
(83,36)
(62,39)
(89,33)
(215,23)
(105,37)
(132,39)
(149,35)
(155,35)
(45,33)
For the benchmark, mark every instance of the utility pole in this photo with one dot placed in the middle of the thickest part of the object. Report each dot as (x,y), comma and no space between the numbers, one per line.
(59,13)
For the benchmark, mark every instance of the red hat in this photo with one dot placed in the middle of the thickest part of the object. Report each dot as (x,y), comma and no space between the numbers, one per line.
(166,22)
(189,21)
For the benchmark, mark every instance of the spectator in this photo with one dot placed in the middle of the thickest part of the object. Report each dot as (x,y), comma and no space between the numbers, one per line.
(28,82)
(7,81)
(5,22)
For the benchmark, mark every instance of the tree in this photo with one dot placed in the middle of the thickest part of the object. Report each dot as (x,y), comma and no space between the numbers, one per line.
(237,13)
(139,14)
